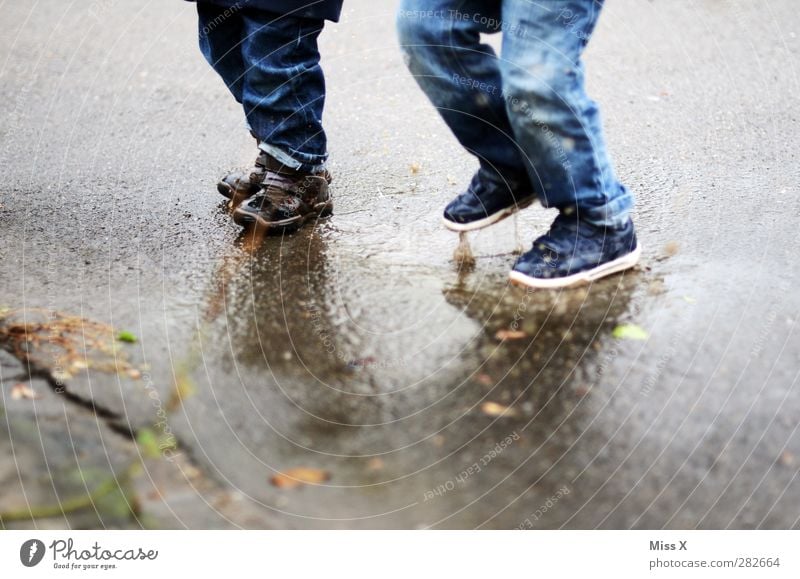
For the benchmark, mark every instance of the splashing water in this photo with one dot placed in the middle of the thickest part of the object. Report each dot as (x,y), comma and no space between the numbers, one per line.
(463,253)
(520,247)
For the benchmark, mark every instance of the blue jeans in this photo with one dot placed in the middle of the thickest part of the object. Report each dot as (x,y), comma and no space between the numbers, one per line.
(525,114)
(270,63)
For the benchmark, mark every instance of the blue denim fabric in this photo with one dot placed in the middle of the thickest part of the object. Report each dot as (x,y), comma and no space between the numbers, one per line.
(270,64)
(526,111)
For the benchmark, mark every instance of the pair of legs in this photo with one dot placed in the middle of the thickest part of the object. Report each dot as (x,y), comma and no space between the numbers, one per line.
(527,118)
(271,65)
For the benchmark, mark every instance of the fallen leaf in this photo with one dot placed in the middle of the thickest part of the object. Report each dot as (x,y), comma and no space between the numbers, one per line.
(134,374)
(415,167)
(672,248)
(22,390)
(295,477)
(689,300)
(484,380)
(148,443)
(127,337)
(375,464)
(503,335)
(78,365)
(630,332)
(495,409)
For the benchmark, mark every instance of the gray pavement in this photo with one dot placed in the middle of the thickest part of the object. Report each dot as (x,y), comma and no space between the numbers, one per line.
(360,349)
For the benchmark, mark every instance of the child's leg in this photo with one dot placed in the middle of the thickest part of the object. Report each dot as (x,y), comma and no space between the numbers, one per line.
(221,43)
(461,77)
(556,124)
(284,88)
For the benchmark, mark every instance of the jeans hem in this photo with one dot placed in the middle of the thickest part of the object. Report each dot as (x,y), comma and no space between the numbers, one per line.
(614,214)
(316,165)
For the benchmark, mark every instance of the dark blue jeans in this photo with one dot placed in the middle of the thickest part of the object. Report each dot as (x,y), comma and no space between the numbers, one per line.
(525,114)
(270,63)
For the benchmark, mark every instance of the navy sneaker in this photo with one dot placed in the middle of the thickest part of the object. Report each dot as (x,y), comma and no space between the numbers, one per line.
(574,253)
(485,203)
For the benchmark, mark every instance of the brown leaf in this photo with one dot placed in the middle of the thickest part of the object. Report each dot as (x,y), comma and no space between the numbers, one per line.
(510,335)
(495,409)
(22,390)
(295,477)
(375,463)
(786,458)
(672,248)
(484,380)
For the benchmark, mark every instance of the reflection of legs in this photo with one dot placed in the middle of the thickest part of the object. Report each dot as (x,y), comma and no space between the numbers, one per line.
(461,77)
(555,122)
(284,88)
(220,43)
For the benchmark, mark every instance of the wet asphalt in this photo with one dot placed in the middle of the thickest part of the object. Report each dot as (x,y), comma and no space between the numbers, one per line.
(358,347)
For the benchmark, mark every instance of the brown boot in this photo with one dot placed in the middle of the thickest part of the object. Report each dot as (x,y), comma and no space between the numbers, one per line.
(288,198)
(237,187)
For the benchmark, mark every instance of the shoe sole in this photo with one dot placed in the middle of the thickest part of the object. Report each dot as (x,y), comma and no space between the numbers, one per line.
(491,219)
(585,277)
(245,219)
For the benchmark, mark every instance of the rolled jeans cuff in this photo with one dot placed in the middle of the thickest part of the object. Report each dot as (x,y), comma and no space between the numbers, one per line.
(309,163)
(614,214)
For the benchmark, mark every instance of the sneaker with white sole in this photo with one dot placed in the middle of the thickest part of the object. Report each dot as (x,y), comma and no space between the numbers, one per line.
(575,252)
(486,202)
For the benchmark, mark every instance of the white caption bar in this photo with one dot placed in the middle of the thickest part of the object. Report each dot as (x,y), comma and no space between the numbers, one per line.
(354,554)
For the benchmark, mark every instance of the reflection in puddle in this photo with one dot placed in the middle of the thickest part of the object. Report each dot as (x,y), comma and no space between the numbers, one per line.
(312,359)
(463,256)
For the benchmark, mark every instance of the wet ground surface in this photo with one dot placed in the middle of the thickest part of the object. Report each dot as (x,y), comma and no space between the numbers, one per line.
(359,350)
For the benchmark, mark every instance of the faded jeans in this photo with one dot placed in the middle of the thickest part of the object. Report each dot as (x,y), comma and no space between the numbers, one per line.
(525,114)
(270,63)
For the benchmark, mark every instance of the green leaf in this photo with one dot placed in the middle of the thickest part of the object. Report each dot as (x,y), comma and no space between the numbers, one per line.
(148,443)
(126,337)
(630,332)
